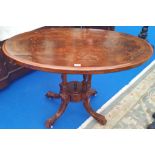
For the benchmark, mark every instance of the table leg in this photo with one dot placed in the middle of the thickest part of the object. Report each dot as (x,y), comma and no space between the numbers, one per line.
(86,100)
(52,95)
(100,118)
(63,106)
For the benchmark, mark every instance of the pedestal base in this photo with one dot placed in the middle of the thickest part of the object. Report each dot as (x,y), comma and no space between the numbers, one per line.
(74,91)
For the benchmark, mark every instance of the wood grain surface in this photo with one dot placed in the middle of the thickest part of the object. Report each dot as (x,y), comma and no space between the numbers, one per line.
(77,51)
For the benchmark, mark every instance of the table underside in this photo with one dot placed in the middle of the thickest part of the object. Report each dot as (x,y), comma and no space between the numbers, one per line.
(74,91)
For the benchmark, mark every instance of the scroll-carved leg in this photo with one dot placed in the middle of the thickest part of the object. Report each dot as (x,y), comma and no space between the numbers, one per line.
(61,110)
(101,119)
(92,92)
(52,95)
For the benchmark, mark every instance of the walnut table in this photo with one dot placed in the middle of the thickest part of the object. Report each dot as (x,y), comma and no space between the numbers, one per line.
(77,51)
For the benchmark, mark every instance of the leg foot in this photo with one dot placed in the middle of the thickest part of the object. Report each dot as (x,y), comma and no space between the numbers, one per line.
(93,92)
(61,110)
(52,95)
(49,123)
(100,118)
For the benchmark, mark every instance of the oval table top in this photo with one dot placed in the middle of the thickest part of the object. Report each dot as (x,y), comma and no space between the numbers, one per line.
(77,51)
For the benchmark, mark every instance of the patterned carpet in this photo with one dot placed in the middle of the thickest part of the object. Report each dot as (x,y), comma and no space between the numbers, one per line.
(133,110)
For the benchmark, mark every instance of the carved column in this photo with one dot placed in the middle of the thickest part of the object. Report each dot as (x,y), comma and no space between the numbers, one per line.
(144,32)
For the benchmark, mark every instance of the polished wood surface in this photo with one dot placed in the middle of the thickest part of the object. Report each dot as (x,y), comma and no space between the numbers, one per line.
(9,71)
(77,51)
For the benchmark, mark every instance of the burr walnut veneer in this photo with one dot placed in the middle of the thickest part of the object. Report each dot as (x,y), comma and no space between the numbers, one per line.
(77,51)
(10,71)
